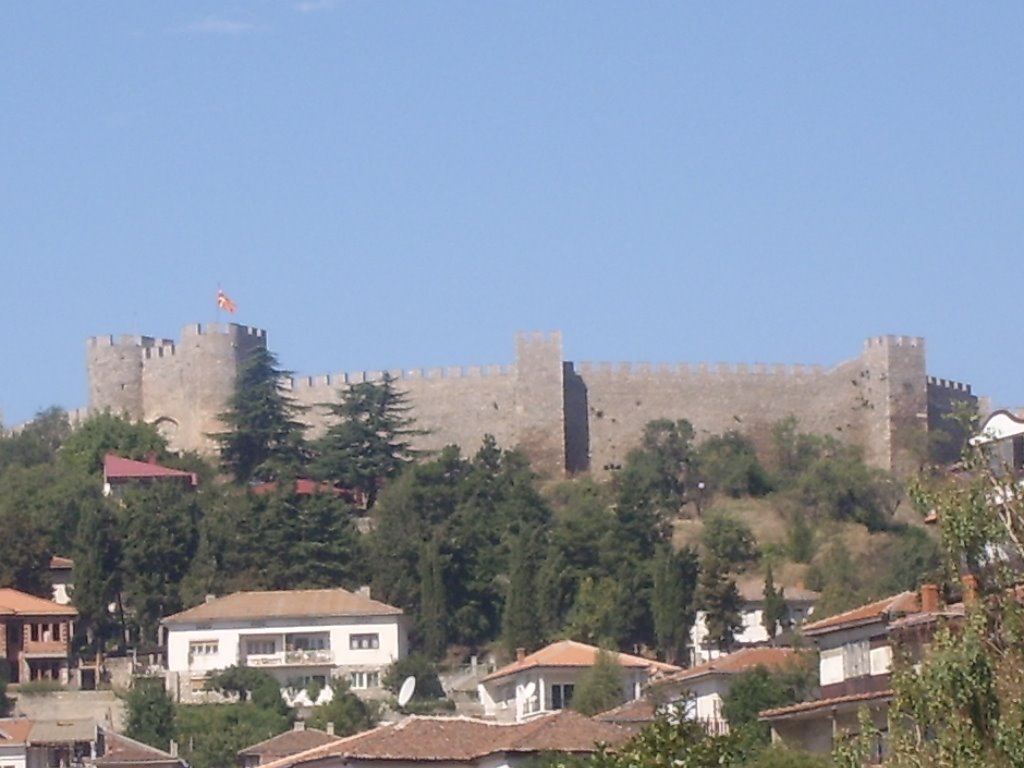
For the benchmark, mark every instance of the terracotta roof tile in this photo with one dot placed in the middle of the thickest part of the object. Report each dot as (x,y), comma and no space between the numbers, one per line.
(289,743)
(118,468)
(734,663)
(812,706)
(15,603)
(299,603)
(454,739)
(14,730)
(569,653)
(61,562)
(123,752)
(880,610)
(632,712)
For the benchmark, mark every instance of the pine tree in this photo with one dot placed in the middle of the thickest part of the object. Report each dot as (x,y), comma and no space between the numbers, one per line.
(601,687)
(264,440)
(371,440)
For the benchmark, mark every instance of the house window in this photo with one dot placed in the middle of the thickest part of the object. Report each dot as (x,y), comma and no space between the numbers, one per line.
(310,643)
(361,680)
(260,647)
(561,695)
(364,642)
(203,647)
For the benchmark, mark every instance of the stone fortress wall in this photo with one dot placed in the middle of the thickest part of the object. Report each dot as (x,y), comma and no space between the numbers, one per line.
(568,417)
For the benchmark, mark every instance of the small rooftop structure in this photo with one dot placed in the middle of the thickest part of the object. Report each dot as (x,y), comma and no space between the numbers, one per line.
(117,471)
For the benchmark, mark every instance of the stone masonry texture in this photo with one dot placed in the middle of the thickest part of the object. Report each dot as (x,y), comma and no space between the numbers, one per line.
(567,417)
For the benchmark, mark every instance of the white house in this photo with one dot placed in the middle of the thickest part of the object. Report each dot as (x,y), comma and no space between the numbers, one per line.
(298,636)
(698,693)
(799,603)
(544,681)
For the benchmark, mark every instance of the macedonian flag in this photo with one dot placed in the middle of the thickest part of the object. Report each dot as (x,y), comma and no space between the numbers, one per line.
(223,302)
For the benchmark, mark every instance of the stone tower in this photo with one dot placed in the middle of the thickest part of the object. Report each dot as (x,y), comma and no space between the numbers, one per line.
(178,386)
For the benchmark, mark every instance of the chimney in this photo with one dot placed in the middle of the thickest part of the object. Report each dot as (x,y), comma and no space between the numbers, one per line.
(330,729)
(364,591)
(970,582)
(151,457)
(210,598)
(173,749)
(520,654)
(929,598)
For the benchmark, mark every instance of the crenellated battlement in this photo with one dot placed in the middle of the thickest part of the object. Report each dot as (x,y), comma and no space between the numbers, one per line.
(225,329)
(951,386)
(343,379)
(893,341)
(791,370)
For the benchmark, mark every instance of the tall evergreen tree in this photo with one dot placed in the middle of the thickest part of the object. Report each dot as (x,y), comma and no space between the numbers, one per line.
(433,608)
(720,600)
(98,571)
(775,612)
(150,713)
(522,622)
(264,440)
(673,601)
(370,441)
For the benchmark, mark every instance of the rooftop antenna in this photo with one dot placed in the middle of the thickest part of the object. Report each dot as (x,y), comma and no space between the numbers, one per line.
(406,691)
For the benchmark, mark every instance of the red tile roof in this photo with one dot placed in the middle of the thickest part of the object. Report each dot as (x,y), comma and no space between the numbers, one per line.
(290,604)
(569,653)
(303,487)
(117,468)
(14,730)
(58,562)
(15,603)
(735,663)
(631,713)
(122,752)
(807,707)
(462,739)
(880,610)
(288,743)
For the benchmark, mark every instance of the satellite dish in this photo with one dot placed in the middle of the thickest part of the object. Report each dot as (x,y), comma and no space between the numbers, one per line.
(406,691)
(529,690)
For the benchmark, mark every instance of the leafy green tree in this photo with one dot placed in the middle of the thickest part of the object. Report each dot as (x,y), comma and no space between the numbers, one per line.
(840,486)
(601,687)
(428,684)
(595,617)
(775,613)
(371,440)
(149,712)
(250,685)
(792,451)
(264,440)
(104,433)
(730,541)
(799,538)
(212,734)
(662,467)
(25,563)
(347,712)
(37,442)
(719,598)
(730,465)
(673,601)
(159,537)
(760,688)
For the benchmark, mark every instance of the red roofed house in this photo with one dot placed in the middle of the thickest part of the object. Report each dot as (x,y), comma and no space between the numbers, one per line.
(448,742)
(119,472)
(35,636)
(855,662)
(299,739)
(697,693)
(544,681)
(297,636)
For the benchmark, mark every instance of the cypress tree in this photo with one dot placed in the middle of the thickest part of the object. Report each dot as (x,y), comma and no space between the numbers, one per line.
(433,608)
(672,600)
(775,611)
(522,625)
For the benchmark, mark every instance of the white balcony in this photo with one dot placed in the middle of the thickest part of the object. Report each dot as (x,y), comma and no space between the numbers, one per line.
(317,658)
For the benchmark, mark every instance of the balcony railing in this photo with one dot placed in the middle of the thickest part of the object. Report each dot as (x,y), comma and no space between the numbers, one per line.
(290,658)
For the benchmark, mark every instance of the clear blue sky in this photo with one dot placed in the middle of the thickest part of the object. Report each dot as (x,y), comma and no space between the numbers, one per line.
(405,184)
